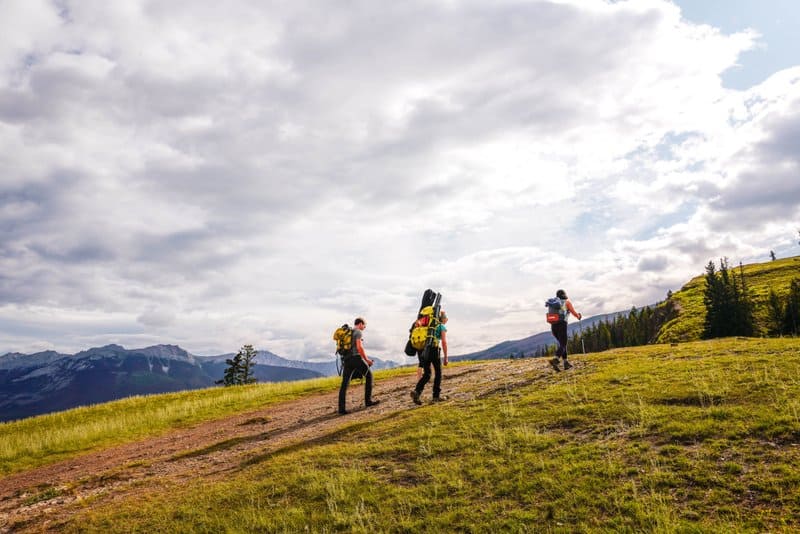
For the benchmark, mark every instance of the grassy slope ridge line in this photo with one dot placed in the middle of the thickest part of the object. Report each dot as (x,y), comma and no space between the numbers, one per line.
(760,278)
(702,437)
(46,439)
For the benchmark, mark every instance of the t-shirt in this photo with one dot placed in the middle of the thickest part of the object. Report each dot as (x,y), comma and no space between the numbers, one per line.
(439,329)
(356,336)
(563,312)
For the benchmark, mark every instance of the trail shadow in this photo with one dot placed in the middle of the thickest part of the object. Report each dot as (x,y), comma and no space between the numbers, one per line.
(510,386)
(261,436)
(321,439)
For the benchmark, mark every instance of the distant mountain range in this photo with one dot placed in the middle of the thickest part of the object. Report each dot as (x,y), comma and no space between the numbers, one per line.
(44,382)
(34,384)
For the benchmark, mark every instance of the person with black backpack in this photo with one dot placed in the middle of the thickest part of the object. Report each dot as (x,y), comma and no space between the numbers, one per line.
(559,309)
(356,365)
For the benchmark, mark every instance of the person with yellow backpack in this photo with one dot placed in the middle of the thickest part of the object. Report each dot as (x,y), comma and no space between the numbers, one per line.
(355,363)
(430,340)
(440,334)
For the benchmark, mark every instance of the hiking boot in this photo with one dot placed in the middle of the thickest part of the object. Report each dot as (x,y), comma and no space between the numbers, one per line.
(439,399)
(415,397)
(554,364)
(372,402)
(343,412)
(567,365)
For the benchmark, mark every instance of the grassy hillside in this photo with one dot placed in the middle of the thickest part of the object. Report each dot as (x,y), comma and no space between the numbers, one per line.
(699,437)
(760,278)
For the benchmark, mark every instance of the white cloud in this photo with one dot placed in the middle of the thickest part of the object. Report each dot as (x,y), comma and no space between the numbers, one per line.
(212,175)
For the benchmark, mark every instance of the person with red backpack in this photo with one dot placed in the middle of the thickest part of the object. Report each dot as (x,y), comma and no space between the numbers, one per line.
(558,309)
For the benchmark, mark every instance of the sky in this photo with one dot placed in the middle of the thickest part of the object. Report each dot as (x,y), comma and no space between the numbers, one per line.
(214,174)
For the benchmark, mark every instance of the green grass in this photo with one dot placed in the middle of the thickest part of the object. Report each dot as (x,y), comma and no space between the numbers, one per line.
(49,438)
(760,278)
(702,437)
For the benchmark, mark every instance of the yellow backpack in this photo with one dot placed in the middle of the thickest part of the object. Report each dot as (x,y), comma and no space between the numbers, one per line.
(343,336)
(424,328)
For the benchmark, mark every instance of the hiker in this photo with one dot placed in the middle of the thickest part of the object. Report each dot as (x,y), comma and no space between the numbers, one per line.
(441,334)
(431,356)
(559,329)
(356,364)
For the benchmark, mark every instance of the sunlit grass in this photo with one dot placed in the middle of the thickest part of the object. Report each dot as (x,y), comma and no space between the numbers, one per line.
(702,437)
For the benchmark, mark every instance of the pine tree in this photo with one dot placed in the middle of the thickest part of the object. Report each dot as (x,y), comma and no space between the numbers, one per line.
(240,368)
(604,341)
(629,334)
(775,314)
(233,371)
(248,362)
(573,343)
(646,326)
(714,300)
(729,311)
(792,315)
(744,325)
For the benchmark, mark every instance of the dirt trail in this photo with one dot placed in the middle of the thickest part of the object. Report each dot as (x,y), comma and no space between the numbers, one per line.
(44,498)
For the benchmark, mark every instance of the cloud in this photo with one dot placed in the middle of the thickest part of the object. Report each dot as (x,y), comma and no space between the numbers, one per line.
(217,175)
(155,318)
(653,263)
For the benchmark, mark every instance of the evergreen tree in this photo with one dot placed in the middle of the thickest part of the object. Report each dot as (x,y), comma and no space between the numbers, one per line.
(729,311)
(713,299)
(248,362)
(647,325)
(792,314)
(573,343)
(233,371)
(775,314)
(240,368)
(744,324)
(604,337)
(629,334)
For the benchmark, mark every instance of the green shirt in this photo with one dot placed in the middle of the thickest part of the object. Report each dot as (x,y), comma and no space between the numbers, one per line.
(439,329)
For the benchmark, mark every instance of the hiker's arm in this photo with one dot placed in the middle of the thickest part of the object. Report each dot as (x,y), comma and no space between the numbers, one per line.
(361,352)
(571,309)
(444,345)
